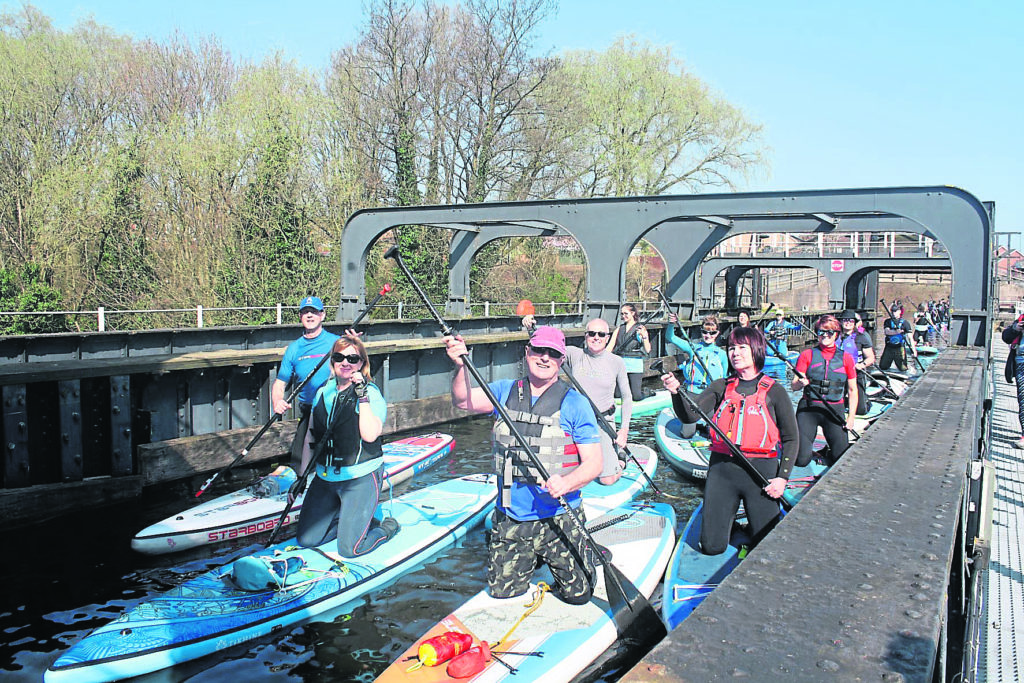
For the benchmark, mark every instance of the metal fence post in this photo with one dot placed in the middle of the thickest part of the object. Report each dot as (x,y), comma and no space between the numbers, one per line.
(400,305)
(101,319)
(279,314)
(199,315)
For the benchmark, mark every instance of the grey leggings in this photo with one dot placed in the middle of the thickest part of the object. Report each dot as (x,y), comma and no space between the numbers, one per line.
(342,510)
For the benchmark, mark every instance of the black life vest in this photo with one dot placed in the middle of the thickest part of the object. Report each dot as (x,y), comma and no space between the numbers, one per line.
(540,423)
(828,378)
(627,344)
(345,447)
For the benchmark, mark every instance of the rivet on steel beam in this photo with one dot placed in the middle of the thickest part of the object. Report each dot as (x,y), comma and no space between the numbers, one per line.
(65,437)
(22,426)
(117,452)
(75,417)
(11,445)
(21,400)
(116,410)
(127,431)
(77,458)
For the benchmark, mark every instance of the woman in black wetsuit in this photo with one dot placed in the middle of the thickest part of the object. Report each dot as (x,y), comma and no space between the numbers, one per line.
(767,435)
(631,341)
(349,411)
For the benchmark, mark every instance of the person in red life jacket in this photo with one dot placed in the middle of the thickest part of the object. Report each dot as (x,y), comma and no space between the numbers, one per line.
(833,373)
(530,525)
(757,414)
(349,413)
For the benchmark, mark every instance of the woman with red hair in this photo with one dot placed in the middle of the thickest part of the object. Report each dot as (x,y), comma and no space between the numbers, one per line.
(827,374)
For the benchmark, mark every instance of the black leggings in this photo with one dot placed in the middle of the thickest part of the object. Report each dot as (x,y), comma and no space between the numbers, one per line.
(808,419)
(727,484)
(636,379)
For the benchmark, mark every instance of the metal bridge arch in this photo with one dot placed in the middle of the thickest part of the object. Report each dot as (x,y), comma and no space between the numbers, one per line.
(685,228)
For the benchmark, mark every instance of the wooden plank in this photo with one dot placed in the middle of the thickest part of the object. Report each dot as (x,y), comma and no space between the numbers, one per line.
(15,445)
(34,504)
(69,397)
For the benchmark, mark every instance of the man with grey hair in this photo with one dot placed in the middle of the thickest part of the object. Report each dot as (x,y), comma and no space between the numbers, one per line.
(598,371)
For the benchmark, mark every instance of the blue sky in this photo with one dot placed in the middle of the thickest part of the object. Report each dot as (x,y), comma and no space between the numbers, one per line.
(851,94)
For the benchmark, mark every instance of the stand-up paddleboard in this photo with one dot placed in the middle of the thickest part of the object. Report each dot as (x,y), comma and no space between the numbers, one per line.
(652,404)
(688,457)
(692,576)
(210,613)
(927,350)
(257,509)
(568,637)
(599,498)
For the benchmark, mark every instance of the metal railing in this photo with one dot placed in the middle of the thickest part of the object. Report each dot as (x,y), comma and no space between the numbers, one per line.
(821,245)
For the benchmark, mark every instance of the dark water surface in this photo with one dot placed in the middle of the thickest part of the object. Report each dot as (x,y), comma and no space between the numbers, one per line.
(61,580)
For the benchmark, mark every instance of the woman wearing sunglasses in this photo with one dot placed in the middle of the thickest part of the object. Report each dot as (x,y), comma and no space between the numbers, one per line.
(757,414)
(833,374)
(631,341)
(706,351)
(349,412)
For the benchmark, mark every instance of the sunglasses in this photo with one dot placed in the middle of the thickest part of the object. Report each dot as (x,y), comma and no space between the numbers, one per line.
(847,320)
(351,358)
(595,333)
(304,311)
(709,332)
(827,333)
(540,351)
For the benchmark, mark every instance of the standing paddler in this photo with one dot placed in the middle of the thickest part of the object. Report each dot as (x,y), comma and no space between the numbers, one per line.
(631,341)
(755,413)
(858,344)
(705,353)
(828,377)
(530,526)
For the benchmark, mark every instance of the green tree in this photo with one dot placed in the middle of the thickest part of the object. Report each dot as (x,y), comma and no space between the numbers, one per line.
(28,289)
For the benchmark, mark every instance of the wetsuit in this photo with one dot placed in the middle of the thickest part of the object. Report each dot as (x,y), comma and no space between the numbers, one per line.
(630,347)
(895,345)
(828,369)
(344,493)
(728,483)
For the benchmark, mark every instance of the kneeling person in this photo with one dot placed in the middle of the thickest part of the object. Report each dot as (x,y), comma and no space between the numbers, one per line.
(530,525)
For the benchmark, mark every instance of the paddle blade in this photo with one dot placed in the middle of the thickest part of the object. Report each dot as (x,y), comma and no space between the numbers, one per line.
(635,619)
(788,500)
(525,307)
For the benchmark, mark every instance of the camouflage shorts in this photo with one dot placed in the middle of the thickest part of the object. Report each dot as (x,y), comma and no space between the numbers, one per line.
(516,549)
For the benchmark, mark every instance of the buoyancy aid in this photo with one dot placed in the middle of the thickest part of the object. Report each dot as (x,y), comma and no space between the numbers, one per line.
(694,374)
(828,378)
(345,446)
(848,344)
(745,420)
(540,423)
(895,339)
(777,331)
(627,344)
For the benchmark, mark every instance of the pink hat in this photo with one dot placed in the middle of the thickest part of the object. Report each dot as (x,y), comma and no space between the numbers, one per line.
(547,337)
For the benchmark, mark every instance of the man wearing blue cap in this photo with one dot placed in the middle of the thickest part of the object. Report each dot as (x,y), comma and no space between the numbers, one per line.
(301,356)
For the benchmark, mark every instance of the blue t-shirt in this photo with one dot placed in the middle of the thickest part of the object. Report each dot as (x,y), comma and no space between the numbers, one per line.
(529,501)
(301,357)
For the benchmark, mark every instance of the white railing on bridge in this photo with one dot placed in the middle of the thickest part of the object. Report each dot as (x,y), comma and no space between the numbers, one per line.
(822,245)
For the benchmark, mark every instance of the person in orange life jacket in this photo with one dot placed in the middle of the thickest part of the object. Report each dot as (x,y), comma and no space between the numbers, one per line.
(349,412)
(757,414)
(530,526)
(299,359)
(898,333)
(857,344)
(600,372)
(631,341)
(833,373)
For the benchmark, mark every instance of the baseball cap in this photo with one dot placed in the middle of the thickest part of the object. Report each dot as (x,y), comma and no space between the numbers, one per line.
(312,302)
(547,337)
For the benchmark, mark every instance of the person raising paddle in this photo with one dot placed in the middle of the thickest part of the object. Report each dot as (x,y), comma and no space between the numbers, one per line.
(631,341)
(755,412)
(530,526)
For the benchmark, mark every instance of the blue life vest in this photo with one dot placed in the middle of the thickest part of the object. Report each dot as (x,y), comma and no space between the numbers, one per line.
(896,339)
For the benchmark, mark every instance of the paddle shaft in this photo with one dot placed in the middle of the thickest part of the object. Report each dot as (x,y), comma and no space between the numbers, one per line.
(734,449)
(814,391)
(291,397)
(608,429)
(615,582)
(639,322)
(307,470)
(681,335)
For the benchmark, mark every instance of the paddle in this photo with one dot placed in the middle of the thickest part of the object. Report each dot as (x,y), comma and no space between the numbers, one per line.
(300,483)
(295,392)
(602,421)
(906,344)
(784,500)
(681,334)
(811,387)
(632,613)
(863,373)
(622,343)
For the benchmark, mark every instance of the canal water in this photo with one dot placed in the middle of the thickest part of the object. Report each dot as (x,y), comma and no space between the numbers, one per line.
(61,580)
